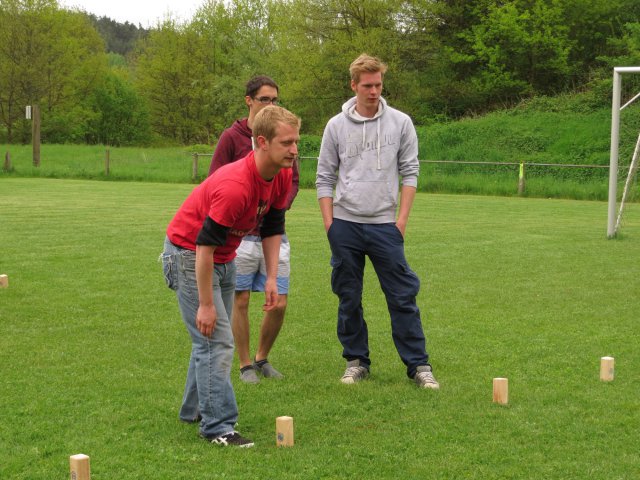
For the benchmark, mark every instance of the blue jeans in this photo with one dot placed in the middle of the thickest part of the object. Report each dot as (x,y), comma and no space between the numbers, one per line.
(208,390)
(384,245)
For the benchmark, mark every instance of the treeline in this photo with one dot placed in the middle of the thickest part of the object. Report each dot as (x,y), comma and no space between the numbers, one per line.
(182,82)
(119,38)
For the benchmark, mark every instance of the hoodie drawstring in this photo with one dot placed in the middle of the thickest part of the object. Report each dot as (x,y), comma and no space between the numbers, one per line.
(364,137)
(378,142)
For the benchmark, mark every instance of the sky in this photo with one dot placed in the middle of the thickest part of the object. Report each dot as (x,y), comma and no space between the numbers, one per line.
(143,12)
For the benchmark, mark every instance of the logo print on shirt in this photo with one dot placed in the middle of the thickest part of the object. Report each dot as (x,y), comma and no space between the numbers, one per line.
(262,209)
(355,148)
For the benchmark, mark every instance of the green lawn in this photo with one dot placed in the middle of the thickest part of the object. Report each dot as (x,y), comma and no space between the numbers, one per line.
(93,353)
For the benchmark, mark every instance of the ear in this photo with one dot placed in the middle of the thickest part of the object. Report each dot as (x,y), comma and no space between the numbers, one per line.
(262,142)
(247,101)
(353,85)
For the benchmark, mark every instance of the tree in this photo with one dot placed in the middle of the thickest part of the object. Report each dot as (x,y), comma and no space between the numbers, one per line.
(119,37)
(173,73)
(525,51)
(317,40)
(121,116)
(49,57)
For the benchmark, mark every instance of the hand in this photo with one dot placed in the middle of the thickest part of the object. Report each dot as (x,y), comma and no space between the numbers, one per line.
(206,320)
(402,226)
(270,295)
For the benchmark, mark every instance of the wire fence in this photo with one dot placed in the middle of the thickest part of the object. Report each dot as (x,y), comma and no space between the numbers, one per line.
(522,169)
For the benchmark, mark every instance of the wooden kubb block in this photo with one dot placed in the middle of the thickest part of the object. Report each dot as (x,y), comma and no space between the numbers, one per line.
(607,366)
(284,431)
(79,466)
(4,281)
(501,390)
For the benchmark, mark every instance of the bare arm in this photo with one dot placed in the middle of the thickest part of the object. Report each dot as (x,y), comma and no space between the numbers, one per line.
(207,315)
(407,195)
(326,209)
(271,251)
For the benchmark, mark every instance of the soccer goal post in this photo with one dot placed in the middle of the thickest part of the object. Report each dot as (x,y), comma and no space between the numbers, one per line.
(616,108)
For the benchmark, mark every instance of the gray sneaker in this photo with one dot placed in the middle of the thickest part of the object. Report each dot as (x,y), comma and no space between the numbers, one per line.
(267,370)
(249,375)
(354,372)
(425,379)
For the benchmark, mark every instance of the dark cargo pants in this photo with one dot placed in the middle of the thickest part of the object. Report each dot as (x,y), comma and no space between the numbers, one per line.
(384,245)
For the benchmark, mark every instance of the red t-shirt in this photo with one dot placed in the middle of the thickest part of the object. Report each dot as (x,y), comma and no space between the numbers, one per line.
(235,196)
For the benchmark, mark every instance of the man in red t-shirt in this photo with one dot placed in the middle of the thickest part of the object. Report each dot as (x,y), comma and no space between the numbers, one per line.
(235,142)
(198,263)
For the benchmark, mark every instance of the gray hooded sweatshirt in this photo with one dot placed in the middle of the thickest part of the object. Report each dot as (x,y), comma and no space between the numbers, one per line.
(364,159)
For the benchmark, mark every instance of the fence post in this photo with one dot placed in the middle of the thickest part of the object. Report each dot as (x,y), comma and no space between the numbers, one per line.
(35,135)
(194,175)
(7,162)
(521,179)
(107,160)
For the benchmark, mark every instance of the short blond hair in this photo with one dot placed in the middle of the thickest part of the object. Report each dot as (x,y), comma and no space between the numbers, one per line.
(267,120)
(366,64)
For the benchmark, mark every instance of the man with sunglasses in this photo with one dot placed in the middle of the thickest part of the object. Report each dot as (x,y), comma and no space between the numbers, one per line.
(234,144)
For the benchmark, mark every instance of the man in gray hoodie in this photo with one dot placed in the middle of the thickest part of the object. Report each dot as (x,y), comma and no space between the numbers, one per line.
(366,149)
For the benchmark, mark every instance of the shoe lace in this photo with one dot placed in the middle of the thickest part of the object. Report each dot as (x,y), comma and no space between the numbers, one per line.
(353,371)
(426,377)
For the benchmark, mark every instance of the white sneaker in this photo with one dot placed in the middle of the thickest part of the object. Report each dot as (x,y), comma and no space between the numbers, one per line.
(354,372)
(425,379)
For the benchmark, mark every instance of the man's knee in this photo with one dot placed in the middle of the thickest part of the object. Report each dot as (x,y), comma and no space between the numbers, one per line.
(281,306)
(241,300)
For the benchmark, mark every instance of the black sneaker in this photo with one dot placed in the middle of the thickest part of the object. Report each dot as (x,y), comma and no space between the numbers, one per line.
(231,439)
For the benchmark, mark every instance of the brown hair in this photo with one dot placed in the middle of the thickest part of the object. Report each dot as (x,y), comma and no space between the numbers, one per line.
(267,119)
(366,64)
(256,83)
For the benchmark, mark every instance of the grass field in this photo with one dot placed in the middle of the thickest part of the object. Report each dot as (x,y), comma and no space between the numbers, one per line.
(93,353)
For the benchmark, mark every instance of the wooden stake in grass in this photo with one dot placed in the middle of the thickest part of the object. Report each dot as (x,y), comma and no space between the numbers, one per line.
(501,390)
(606,369)
(4,281)
(79,465)
(284,431)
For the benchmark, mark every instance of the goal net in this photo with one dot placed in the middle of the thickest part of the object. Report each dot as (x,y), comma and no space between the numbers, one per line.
(625,144)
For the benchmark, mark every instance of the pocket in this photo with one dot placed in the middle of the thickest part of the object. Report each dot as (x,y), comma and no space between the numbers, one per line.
(331,228)
(337,285)
(169,270)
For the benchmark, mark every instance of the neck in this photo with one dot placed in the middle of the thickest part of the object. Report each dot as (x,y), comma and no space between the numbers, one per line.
(250,120)
(266,169)
(367,111)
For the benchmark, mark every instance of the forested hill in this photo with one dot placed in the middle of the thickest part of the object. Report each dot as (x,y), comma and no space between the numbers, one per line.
(118,37)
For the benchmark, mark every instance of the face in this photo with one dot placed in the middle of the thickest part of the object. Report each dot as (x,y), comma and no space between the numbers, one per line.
(368,90)
(266,93)
(283,148)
